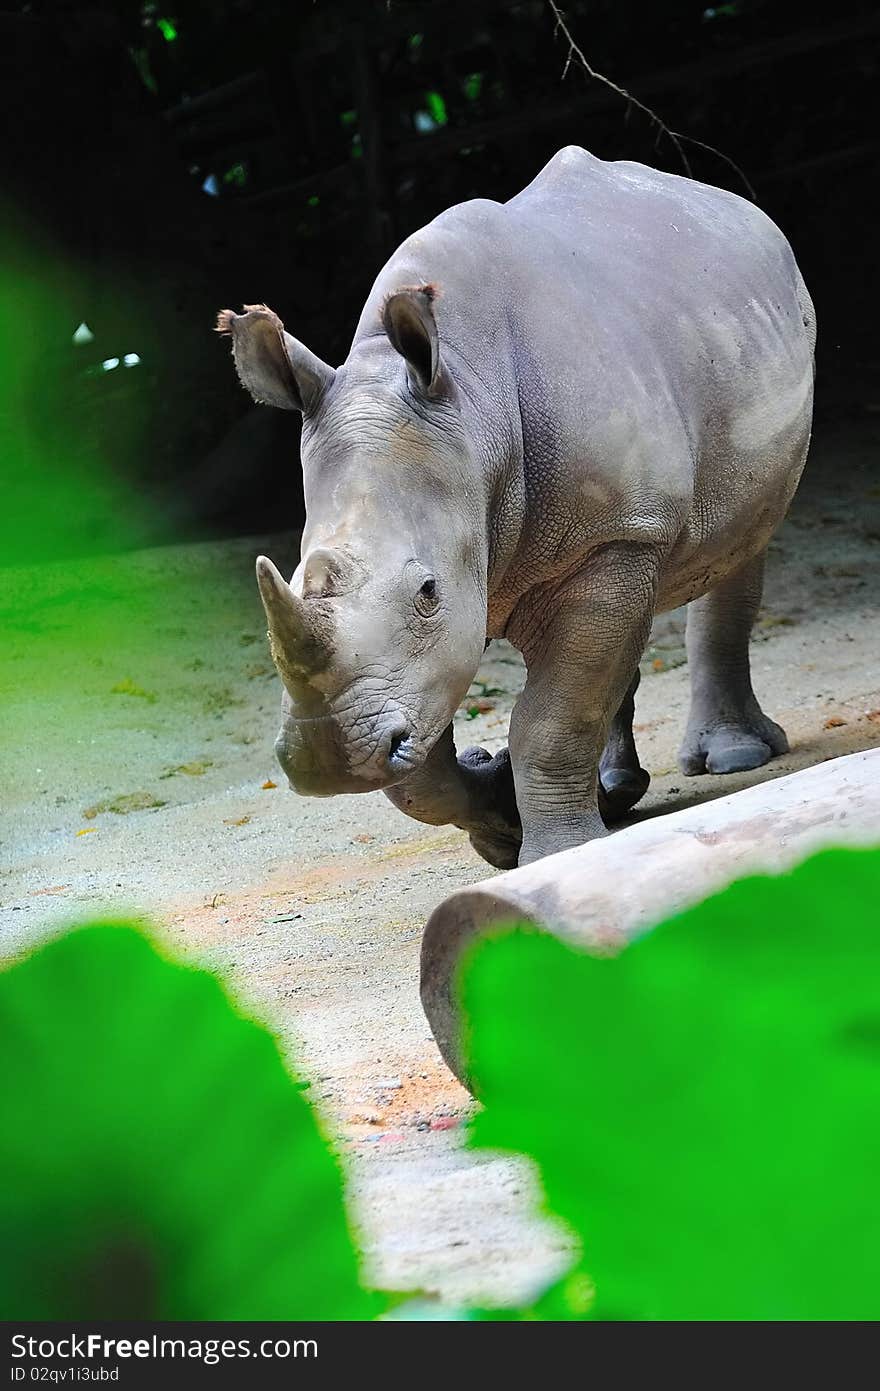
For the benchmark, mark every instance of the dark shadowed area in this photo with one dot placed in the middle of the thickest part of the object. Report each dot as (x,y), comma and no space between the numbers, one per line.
(166,161)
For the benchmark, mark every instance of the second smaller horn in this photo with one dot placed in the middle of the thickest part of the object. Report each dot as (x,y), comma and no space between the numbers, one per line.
(298,650)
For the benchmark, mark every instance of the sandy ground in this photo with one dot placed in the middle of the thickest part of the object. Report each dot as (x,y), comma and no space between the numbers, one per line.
(138,712)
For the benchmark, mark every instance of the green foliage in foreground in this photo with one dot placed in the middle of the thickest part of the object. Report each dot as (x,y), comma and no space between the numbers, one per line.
(704,1110)
(703,1107)
(157,1160)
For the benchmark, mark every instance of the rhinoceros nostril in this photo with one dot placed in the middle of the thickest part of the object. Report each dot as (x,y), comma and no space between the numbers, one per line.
(399,748)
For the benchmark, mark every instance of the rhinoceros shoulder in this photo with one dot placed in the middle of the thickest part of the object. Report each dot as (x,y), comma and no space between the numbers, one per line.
(623,190)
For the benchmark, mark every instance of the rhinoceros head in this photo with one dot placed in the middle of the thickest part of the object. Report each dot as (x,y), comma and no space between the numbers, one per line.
(380,630)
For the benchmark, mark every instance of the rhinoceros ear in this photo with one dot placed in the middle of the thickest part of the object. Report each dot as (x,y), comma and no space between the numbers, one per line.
(276,369)
(408,319)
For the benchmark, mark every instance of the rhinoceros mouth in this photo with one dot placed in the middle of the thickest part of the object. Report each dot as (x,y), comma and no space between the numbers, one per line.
(321,756)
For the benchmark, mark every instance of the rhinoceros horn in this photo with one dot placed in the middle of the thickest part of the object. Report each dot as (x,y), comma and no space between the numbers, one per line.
(298,649)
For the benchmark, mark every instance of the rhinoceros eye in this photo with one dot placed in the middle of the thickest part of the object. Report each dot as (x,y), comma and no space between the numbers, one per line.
(426,599)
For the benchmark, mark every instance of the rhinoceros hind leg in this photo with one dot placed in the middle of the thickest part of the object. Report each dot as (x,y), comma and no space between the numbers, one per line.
(727,731)
(732,749)
(622,779)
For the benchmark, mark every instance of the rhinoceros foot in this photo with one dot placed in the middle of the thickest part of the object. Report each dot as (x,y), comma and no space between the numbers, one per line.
(500,850)
(731,745)
(620,789)
(494,825)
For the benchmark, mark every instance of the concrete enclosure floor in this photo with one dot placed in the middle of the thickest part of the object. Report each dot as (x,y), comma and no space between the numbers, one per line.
(139,706)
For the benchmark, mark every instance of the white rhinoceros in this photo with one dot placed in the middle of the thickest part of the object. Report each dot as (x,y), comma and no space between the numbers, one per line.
(559,416)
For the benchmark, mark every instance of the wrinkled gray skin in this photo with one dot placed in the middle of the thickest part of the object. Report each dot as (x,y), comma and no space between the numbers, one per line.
(559,416)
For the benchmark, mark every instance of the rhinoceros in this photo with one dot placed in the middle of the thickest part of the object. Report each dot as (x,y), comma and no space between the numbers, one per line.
(560,415)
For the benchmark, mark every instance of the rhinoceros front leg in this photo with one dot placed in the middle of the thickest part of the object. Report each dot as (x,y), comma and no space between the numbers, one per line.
(581,645)
(727,731)
(473,790)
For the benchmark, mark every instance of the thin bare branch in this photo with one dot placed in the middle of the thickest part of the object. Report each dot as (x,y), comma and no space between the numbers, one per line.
(676,137)
(747,183)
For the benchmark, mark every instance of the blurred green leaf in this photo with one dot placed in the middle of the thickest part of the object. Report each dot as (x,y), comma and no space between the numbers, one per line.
(437,107)
(236,175)
(473,85)
(61,492)
(157,1160)
(703,1107)
(141,59)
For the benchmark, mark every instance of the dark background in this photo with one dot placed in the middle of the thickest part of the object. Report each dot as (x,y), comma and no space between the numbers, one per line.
(166,159)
